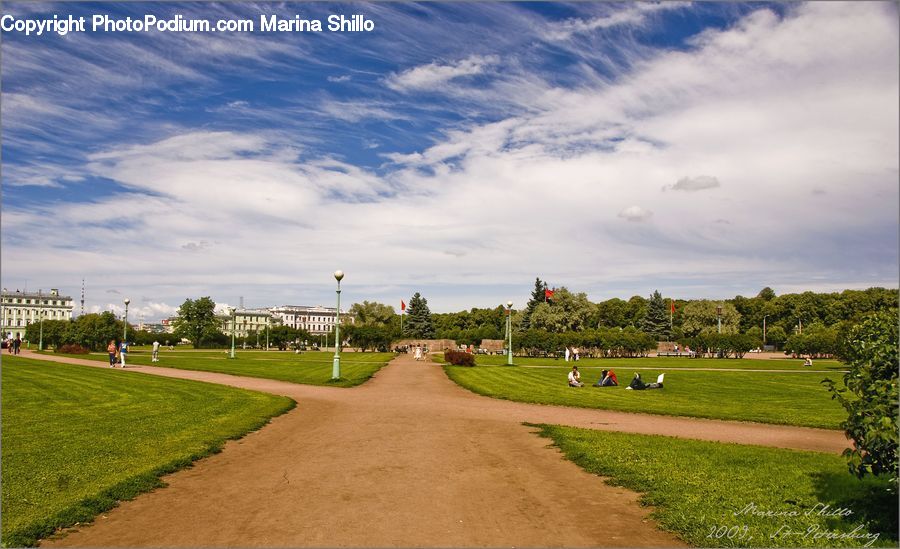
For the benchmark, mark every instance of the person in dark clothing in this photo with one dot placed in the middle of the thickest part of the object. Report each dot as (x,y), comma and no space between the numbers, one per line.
(607,379)
(637,384)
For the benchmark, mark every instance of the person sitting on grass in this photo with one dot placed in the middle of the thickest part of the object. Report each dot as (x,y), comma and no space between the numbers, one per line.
(575,378)
(808,362)
(637,384)
(607,379)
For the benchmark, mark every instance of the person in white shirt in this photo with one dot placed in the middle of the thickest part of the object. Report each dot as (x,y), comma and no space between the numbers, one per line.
(155,352)
(567,353)
(575,378)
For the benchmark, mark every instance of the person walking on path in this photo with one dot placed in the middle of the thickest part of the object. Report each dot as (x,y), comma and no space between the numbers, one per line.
(568,352)
(418,355)
(123,352)
(112,350)
(17,344)
(155,357)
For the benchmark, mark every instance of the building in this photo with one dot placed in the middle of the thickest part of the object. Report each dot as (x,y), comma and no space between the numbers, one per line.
(19,309)
(248,322)
(315,320)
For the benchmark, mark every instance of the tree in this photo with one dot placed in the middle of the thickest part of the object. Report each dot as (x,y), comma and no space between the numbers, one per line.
(418,322)
(94,331)
(372,314)
(369,337)
(766,294)
(700,317)
(282,336)
(196,320)
(566,313)
(656,319)
(538,295)
(776,336)
(54,334)
(613,313)
(870,397)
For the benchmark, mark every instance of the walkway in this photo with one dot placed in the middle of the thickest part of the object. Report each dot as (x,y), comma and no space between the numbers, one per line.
(407,459)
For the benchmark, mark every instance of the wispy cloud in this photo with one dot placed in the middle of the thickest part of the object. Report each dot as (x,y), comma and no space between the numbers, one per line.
(691,184)
(498,144)
(433,75)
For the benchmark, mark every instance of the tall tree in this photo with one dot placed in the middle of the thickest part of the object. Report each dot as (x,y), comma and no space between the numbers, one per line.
(656,319)
(766,294)
(372,313)
(418,318)
(196,320)
(700,317)
(538,295)
(568,312)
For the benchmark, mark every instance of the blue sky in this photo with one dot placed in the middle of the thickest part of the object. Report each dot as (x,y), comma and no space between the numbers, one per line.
(458,150)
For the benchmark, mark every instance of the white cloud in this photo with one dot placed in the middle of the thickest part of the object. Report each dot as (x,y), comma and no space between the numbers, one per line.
(338,79)
(633,15)
(691,184)
(433,75)
(769,106)
(635,213)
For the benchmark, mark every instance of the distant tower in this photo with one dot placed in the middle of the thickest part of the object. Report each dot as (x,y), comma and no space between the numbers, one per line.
(242,302)
(82,297)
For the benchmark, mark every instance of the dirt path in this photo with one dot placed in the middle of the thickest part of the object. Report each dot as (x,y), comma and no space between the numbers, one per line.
(408,459)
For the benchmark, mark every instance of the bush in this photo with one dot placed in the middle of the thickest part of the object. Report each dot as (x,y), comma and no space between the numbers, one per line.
(458,358)
(72,349)
(870,396)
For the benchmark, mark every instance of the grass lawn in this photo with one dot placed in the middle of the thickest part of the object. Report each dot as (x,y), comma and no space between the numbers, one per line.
(730,495)
(785,398)
(76,439)
(661,363)
(310,368)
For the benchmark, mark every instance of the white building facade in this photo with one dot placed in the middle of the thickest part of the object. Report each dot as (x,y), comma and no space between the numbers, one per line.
(249,322)
(19,309)
(316,320)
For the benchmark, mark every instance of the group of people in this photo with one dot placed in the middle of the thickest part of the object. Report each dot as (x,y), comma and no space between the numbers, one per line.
(419,353)
(118,353)
(13,345)
(608,379)
(572,353)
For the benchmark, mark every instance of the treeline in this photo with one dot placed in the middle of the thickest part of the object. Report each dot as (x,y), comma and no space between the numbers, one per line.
(601,342)
(91,331)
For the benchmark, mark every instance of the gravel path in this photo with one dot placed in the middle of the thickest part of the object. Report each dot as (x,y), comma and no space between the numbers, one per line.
(407,459)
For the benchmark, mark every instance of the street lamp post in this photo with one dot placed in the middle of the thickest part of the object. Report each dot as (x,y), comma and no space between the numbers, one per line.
(233,326)
(125,331)
(509,333)
(336,368)
(764,330)
(41,312)
(719,316)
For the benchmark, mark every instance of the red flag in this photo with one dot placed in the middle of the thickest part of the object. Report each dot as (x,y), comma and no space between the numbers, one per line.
(402,305)
(673,305)
(548,294)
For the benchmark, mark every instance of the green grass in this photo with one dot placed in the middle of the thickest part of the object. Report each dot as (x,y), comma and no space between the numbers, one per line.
(783,398)
(661,363)
(713,495)
(76,439)
(310,368)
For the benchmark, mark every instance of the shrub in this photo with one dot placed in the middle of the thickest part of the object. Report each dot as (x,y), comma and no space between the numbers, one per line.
(870,396)
(72,349)
(458,358)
